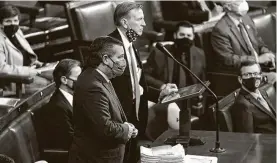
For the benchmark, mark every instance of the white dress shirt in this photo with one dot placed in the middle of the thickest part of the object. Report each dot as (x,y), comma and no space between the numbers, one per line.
(68,96)
(127,45)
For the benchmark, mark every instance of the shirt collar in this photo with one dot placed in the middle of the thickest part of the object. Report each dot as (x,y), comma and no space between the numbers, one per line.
(67,95)
(104,75)
(234,20)
(125,40)
(254,94)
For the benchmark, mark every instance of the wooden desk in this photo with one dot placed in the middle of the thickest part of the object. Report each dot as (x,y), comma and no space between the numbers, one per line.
(240,147)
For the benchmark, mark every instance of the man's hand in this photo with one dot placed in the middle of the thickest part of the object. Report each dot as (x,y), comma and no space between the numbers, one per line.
(133,132)
(37,64)
(266,58)
(216,11)
(168,89)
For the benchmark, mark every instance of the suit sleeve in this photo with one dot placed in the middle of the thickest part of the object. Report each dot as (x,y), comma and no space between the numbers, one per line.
(96,107)
(224,51)
(150,68)
(242,118)
(12,70)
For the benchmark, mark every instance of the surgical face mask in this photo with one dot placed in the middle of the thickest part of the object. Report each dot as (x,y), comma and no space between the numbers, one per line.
(184,43)
(10,30)
(243,9)
(252,83)
(118,67)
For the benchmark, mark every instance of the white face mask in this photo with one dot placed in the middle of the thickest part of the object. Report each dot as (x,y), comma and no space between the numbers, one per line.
(243,8)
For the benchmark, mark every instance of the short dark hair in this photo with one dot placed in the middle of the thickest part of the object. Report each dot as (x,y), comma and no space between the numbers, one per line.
(8,11)
(123,9)
(101,46)
(184,24)
(247,63)
(64,68)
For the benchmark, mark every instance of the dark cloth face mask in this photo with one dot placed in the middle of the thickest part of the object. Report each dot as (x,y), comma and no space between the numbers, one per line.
(252,83)
(10,30)
(184,43)
(131,35)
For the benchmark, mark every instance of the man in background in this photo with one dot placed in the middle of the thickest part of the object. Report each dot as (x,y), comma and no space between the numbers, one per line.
(57,117)
(252,111)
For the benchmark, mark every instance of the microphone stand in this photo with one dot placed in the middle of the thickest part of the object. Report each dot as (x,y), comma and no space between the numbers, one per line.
(217,148)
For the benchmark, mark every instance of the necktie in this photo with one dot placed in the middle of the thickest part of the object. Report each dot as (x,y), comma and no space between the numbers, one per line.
(136,81)
(247,40)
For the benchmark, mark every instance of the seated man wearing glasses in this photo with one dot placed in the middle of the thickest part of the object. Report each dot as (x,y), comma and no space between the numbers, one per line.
(252,111)
(57,116)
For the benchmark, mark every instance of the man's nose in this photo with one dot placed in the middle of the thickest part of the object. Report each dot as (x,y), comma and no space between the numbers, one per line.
(143,23)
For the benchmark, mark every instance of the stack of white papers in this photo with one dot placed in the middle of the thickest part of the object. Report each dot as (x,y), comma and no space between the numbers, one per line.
(163,154)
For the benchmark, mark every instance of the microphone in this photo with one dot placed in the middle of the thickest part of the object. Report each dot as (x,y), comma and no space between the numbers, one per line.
(217,148)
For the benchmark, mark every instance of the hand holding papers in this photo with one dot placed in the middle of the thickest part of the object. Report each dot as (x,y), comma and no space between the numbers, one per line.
(48,67)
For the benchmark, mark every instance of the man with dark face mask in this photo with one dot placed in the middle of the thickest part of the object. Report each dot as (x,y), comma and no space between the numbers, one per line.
(101,127)
(16,55)
(57,118)
(252,111)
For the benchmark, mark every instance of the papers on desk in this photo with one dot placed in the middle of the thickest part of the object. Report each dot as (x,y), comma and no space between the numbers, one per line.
(163,154)
(171,154)
(8,102)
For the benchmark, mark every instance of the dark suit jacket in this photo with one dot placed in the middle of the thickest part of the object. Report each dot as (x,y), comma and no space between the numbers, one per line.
(229,46)
(248,115)
(123,87)
(185,10)
(57,120)
(100,134)
(159,67)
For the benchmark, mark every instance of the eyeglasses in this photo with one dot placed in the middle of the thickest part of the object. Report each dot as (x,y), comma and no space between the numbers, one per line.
(248,75)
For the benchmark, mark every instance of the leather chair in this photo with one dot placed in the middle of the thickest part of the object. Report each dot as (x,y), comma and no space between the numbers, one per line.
(266,25)
(225,118)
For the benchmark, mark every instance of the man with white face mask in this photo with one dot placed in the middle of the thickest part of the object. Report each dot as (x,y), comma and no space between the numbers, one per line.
(235,39)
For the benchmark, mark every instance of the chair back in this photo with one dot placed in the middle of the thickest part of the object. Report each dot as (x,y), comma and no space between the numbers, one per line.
(225,118)
(88,20)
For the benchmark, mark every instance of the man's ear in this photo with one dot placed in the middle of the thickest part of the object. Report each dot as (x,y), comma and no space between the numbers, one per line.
(63,80)
(240,79)
(174,35)
(124,23)
(105,59)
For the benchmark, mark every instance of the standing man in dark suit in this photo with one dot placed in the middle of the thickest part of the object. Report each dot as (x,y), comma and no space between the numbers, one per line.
(101,127)
(235,39)
(131,87)
(252,111)
(57,117)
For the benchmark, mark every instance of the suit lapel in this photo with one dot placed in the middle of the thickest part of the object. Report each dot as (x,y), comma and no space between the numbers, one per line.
(255,102)
(113,94)
(61,97)
(236,32)
(265,96)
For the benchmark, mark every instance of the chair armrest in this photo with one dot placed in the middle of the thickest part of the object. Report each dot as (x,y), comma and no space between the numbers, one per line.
(17,79)
(58,151)
(153,36)
(31,10)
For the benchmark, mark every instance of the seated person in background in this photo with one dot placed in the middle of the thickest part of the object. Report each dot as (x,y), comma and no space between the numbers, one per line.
(57,118)
(252,111)
(16,55)
(235,39)
(196,11)
(161,69)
